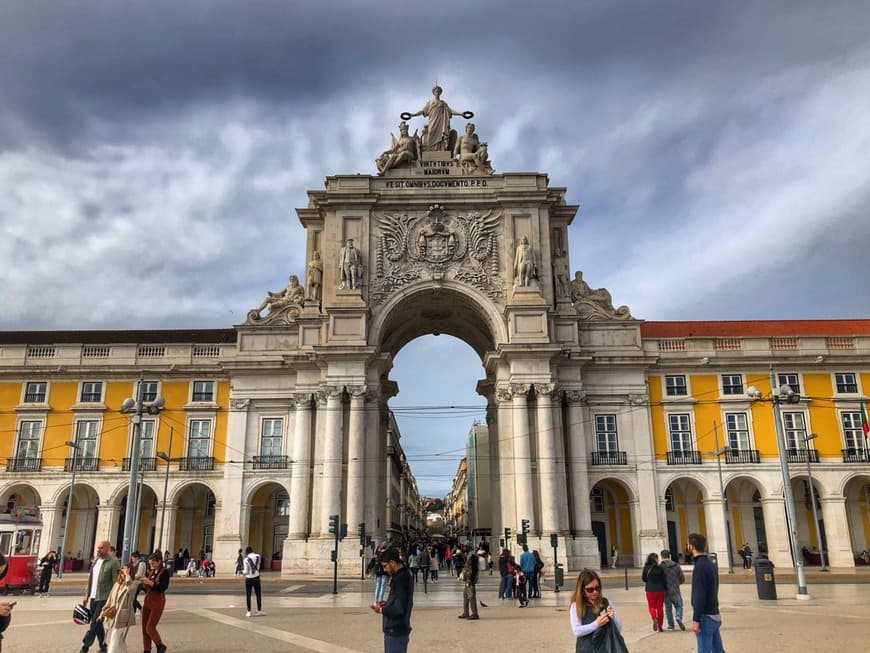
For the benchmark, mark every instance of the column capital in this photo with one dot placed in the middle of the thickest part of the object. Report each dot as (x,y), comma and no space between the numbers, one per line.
(574,395)
(301,399)
(520,389)
(239,403)
(550,390)
(326,392)
(357,391)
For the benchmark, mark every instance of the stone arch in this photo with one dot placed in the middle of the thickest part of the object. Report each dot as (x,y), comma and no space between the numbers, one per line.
(81,539)
(146,528)
(614,518)
(746,515)
(856,490)
(451,307)
(176,490)
(25,493)
(195,504)
(118,495)
(268,505)
(685,497)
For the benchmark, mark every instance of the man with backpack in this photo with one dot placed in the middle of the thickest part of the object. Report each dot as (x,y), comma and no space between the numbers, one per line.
(674,577)
(252,580)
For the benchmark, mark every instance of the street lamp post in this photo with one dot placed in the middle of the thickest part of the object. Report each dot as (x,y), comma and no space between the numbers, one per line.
(138,408)
(72,486)
(167,458)
(807,440)
(777,396)
(719,453)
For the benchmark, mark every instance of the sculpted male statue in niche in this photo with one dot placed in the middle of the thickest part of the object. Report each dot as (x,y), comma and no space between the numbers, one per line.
(472,153)
(437,134)
(292,294)
(349,266)
(406,149)
(591,303)
(525,267)
(561,274)
(315,277)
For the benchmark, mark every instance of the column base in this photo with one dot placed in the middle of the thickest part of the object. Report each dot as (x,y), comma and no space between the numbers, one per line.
(312,556)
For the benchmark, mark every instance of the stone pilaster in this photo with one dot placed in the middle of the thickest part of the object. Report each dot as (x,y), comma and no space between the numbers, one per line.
(522,455)
(332,459)
(547,470)
(374,502)
(356,460)
(775,528)
(228,533)
(300,483)
(837,534)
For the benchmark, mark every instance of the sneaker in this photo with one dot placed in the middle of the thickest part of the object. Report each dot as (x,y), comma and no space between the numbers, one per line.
(104,648)
(670,627)
(248,613)
(260,613)
(655,626)
(462,616)
(681,625)
(161,648)
(473,618)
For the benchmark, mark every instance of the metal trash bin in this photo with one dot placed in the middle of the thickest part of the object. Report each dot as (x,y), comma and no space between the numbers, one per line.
(765,582)
(559,577)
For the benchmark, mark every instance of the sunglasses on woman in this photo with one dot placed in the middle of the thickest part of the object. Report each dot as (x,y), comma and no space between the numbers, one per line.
(597,588)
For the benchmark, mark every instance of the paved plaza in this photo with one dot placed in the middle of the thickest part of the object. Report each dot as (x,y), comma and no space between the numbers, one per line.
(305,616)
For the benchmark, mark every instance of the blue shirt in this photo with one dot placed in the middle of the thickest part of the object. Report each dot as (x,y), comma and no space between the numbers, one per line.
(527,562)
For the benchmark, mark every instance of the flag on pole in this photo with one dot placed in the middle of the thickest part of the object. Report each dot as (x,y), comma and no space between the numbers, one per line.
(865,425)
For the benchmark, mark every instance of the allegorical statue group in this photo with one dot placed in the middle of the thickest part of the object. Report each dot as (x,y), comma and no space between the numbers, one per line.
(470,152)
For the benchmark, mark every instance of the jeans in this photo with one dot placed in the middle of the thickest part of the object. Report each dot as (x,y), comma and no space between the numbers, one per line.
(505,589)
(673,602)
(396,643)
(469,601)
(709,639)
(380,587)
(95,628)
(253,584)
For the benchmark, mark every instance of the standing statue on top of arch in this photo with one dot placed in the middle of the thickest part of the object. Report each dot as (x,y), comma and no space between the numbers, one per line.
(437,135)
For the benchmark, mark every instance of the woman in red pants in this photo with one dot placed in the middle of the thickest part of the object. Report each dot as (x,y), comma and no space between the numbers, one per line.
(656,590)
(155,583)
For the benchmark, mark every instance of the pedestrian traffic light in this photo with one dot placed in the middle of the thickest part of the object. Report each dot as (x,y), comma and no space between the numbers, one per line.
(333,556)
(507,534)
(525,526)
(554,540)
(333,524)
(343,531)
(362,534)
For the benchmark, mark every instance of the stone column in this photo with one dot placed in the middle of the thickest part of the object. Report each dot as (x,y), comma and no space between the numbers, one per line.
(332,459)
(522,456)
(547,471)
(505,512)
(716,529)
(169,530)
(107,524)
(373,505)
(839,541)
(356,460)
(300,483)
(227,520)
(52,523)
(773,509)
(579,457)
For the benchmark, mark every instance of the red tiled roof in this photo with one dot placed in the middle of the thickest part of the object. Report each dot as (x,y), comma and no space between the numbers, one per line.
(761,328)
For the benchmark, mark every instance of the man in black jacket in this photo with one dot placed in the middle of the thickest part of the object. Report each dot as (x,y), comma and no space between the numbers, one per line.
(469,577)
(5,608)
(706,619)
(396,610)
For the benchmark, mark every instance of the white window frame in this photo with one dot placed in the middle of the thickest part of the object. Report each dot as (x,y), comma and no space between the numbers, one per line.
(190,439)
(854,383)
(279,436)
(24,392)
(725,388)
(608,435)
(193,392)
(81,453)
(684,387)
(82,386)
(19,431)
(850,424)
(597,500)
(146,383)
(733,431)
(792,379)
(690,430)
(153,426)
(791,430)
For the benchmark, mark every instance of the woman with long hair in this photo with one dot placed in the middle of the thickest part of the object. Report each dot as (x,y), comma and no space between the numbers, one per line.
(590,610)
(117,613)
(656,589)
(155,583)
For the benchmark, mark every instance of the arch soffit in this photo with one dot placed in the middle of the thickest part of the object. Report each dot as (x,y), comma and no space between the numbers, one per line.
(798,479)
(175,492)
(259,485)
(60,494)
(121,491)
(846,483)
(695,480)
(11,486)
(624,484)
(483,308)
(741,480)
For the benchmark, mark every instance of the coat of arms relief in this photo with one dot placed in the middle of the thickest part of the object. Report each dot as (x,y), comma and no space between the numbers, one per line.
(437,246)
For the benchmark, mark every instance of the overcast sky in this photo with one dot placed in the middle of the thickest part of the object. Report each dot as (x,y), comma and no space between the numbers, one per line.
(152,154)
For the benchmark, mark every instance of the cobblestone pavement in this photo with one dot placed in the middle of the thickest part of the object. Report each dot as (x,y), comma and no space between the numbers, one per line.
(299,619)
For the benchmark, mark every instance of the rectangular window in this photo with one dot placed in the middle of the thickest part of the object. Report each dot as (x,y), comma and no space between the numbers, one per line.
(148,390)
(736,426)
(282,505)
(605,432)
(853,435)
(271,437)
(28,439)
(795,430)
(675,385)
(790,380)
(146,439)
(92,392)
(680,432)
(846,382)
(732,384)
(596,500)
(86,438)
(35,392)
(199,438)
(203,391)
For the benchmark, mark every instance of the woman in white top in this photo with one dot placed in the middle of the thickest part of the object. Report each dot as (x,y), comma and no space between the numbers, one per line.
(590,610)
(433,564)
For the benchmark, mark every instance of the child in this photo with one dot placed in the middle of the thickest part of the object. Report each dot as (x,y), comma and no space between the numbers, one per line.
(520,583)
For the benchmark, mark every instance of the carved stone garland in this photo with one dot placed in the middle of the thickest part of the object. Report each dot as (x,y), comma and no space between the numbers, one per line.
(437,246)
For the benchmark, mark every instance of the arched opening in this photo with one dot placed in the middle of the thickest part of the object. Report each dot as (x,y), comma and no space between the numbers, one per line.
(268,522)
(144,536)
(81,539)
(746,517)
(857,494)
(19,495)
(610,504)
(194,507)
(684,507)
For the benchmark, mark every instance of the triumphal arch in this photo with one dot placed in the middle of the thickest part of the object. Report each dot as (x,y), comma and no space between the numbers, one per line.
(439,241)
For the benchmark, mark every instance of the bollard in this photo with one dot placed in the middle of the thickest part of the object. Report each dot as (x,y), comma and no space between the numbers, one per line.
(626,579)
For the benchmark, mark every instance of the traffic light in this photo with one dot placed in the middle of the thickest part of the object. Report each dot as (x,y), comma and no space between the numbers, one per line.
(342,533)
(333,524)
(507,535)
(525,527)
(554,540)
(333,556)
(362,534)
